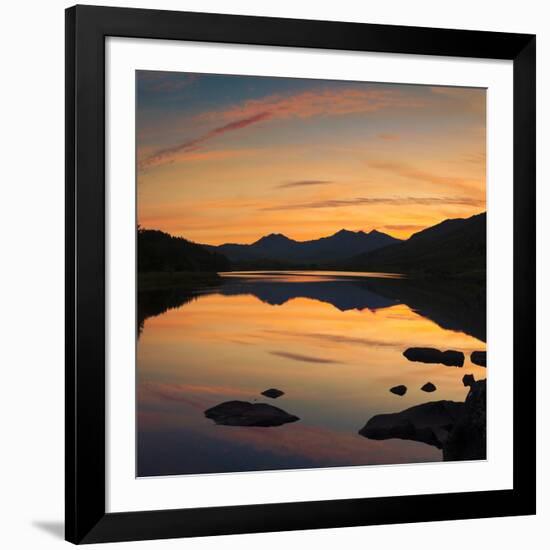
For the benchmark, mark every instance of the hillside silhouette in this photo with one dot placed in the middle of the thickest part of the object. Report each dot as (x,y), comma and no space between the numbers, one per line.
(455,246)
(160,252)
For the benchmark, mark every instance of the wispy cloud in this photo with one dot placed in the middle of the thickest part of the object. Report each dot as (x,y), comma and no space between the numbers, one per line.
(168,154)
(219,154)
(397,201)
(411,172)
(165,82)
(303,183)
(303,358)
(325,102)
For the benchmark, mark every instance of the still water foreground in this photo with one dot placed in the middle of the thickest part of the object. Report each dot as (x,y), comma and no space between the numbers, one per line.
(332,343)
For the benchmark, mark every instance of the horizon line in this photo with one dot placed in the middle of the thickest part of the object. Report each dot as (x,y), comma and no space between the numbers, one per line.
(421,228)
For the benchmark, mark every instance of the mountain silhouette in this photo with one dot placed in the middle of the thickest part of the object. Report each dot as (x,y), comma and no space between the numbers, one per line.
(454,246)
(279,248)
(450,248)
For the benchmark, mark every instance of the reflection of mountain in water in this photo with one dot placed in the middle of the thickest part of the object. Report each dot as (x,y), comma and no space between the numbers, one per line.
(342,294)
(453,305)
(151,303)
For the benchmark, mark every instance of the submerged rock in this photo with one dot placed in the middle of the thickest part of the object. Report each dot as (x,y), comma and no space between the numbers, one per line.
(479,358)
(450,358)
(468,439)
(428,387)
(428,423)
(468,380)
(273,393)
(399,390)
(243,413)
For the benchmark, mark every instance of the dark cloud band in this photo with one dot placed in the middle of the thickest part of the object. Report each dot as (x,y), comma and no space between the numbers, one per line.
(398,201)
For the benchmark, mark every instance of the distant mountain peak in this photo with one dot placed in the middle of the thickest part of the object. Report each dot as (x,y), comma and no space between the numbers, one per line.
(347,232)
(279,248)
(353,234)
(273,238)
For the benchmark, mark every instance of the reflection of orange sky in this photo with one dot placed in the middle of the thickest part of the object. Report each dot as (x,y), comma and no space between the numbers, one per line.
(354,357)
(307,276)
(335,368)
(244,217)
(396,159)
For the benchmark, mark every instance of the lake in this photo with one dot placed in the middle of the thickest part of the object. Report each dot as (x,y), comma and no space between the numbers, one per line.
(333,342)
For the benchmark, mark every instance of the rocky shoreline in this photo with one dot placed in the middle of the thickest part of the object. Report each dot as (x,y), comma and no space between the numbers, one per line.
(459,429)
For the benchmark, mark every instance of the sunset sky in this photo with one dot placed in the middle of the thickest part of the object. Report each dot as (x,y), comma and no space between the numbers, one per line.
(233,158)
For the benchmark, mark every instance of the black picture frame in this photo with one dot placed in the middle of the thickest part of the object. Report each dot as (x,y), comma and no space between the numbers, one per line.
(86,30)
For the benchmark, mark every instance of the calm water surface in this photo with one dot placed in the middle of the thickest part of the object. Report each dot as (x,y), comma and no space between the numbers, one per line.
(332,341)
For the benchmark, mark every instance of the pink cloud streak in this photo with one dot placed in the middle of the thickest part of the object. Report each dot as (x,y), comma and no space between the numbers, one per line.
(168,155)
(324,102)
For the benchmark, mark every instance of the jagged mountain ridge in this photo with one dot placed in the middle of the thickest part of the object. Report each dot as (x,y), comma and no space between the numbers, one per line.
(343,244)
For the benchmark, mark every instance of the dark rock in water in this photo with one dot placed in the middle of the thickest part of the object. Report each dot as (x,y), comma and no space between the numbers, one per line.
(468,380)
(424,355)
(479,358)
(399,390)
(428,387)
(459,429)
(468,439)
(273,393)
(451,358)
(242,413)
(428,423)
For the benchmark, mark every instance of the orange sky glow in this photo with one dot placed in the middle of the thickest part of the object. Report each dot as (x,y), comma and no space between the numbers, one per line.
(224,158)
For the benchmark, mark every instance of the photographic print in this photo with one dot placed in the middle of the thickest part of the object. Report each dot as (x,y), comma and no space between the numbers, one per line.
(311,273)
